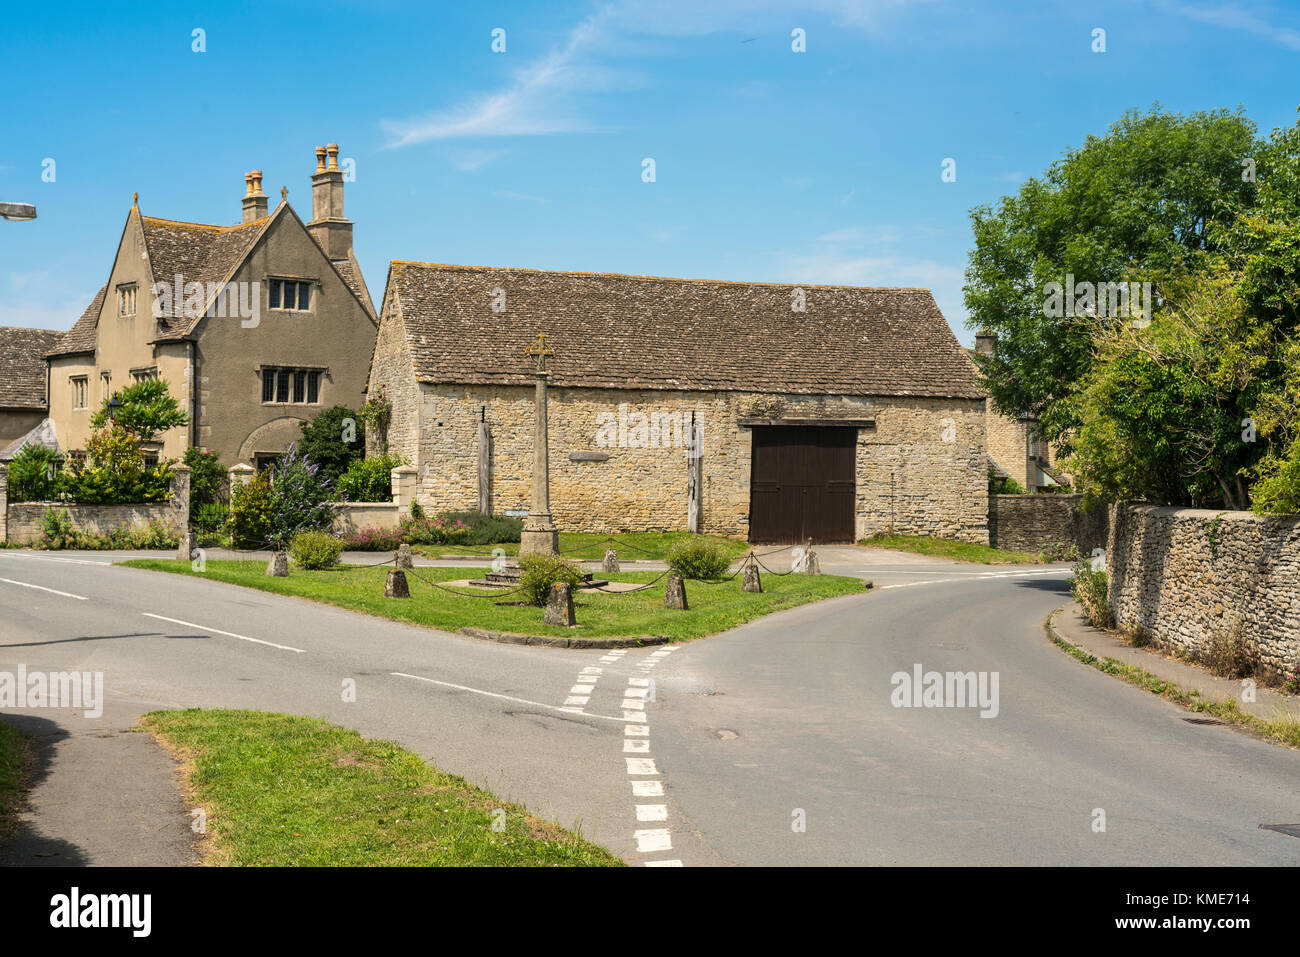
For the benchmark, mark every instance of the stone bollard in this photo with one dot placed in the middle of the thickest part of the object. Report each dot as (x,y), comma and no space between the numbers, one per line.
(396,586)
(610,564)
(278,566)
(814,564)
(751,581)
(559,606)
(404,556)
(675,593)
(185,546)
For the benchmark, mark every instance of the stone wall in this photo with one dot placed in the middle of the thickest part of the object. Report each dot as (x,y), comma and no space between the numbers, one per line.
(921,470)
(1189,577)
(27,518)
(21,523)
(1008,445)
(1026,523)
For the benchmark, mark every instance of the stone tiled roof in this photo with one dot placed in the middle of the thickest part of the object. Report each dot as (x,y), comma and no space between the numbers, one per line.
(647,332)
(22,366)
(81,337)
(352,276)
(198,253)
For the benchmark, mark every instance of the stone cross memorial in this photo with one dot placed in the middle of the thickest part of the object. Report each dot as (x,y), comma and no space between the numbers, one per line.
(539,536)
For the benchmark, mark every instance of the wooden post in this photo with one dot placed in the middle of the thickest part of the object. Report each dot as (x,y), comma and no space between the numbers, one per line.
(694,476)
(484,464)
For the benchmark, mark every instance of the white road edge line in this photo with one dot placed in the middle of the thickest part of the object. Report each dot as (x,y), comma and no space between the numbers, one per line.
(228,634)
(52,591)
(503,697)
(44,558)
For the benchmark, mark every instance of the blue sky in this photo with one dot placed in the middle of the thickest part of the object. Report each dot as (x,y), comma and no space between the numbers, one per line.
(814,167)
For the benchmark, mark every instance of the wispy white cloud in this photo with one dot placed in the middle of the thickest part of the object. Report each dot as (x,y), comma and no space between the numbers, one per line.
(1253,18)
(544,97)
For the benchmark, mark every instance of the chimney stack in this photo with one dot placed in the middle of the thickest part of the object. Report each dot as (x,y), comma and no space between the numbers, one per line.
(328,225)
(986,343)
(254,199)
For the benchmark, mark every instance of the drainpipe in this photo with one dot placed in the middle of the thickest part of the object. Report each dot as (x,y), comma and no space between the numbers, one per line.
(194,396)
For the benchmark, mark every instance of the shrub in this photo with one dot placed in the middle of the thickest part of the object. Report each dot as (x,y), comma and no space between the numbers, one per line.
(1231,655)
(325,440)
(32,474)
(486,529)
(1004,486)
(1092,591)
(699,559)
(300,499)
(1059,552)
(113,472)
(56,528)
(372,539)
(539,572)
(315,550)
(251,506)
(432,531)
(57,532)
(370,479)
(209,480)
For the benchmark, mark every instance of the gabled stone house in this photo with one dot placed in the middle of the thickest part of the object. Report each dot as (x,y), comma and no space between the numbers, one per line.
(256,327)
(723,407)
(22,380)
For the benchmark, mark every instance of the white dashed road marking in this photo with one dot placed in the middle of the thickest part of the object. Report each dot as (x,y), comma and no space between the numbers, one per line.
(228,634)
(52,591)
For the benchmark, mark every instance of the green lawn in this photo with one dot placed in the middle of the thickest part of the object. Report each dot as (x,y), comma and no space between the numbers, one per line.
(713,608)
(13,754)
(946,548)
(651,546)
(280,790)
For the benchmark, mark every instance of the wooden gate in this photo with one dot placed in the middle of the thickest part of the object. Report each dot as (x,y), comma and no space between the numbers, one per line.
(802,484)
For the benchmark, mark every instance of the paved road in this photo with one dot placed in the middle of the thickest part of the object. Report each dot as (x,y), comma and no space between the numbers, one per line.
(746,734)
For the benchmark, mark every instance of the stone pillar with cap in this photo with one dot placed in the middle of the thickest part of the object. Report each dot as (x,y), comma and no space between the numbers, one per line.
(540,536)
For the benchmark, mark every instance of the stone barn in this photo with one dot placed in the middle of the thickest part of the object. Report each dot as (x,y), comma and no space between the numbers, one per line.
(760,411)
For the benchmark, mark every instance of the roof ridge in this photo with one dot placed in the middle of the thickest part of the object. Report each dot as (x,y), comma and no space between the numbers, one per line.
(184,222)
(619,275)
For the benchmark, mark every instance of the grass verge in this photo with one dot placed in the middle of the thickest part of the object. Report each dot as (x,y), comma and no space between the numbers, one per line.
(946,548)
(14,754)
(713,608)
(648,546)
(280,790)
(1284,729)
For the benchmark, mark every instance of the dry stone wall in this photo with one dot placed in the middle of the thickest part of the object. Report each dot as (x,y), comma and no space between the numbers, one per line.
(1190,577)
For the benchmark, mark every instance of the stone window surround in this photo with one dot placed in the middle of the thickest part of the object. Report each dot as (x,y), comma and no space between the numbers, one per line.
(313,283)
(80,386)
(127,299)
(323,373)
(142,373)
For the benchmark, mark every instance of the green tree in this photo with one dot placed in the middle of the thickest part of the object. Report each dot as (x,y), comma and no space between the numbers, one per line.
(147,409)
(1148,199)
(209,480)
(333,441)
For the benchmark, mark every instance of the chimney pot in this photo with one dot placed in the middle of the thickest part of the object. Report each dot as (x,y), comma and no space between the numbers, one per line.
(333,150)
(254,202)
(320,159)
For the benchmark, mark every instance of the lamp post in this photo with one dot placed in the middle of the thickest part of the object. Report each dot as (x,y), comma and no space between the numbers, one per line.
(17,212)
(113,405)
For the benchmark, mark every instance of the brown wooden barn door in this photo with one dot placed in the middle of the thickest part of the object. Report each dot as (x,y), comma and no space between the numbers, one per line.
(802,484)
